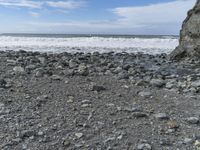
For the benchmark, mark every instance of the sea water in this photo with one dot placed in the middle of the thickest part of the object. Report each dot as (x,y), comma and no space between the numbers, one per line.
(88,43)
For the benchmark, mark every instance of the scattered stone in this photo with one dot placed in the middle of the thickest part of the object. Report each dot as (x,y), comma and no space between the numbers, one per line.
(144,146)
(97,88)
(161,116)
(145,94)
(27,133)
(39,73)
(56,77)
(2,107)
(79,135)
(188,141)
(30,67)
(139,114)
(85,105)
(193,120)
(157,83)
(196,84)
(142,83)
(16,141)
(11,62)
(83,70)
(172,124)
(3,83)
(42,60)
(197,144)
(70,99)
(130,109)
(40,133)
(66,143)
(122,75)
(19,70)
(166,142)
(170,85)
(66,81)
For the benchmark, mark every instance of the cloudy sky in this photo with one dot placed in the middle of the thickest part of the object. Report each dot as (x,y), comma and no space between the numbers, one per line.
(93,16)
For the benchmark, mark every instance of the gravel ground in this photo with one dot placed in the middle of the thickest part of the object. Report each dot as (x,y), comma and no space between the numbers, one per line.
(98,101)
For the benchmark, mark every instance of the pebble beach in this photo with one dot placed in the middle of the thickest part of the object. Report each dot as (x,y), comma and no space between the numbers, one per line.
(98,101)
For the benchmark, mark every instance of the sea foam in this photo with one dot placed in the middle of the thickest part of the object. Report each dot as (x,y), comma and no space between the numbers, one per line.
(89,44)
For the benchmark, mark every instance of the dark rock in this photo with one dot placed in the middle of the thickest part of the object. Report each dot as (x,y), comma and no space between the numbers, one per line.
(97,88)
(189,36)
(2,83)
(139,114)
(122,75)
(28,133)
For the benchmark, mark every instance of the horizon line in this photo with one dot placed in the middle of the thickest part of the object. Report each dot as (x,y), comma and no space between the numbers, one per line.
(91,34)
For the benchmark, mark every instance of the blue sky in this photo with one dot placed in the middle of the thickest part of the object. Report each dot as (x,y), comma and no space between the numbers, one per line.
(93,16)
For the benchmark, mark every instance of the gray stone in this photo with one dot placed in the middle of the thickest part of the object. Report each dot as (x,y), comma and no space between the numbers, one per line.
(161,116)
(66,143)
(193,120)
(11,62)
(39,73)
(118,70)
(122,75)
(188,141)
(83,70)
(31,67)
(72,64)
(196,83)
(68,72)
(79,135)
(56,77)
(18,69)
(42,60)
(144,146)
(170,85)
(157,83)
(131,71)
(145,94)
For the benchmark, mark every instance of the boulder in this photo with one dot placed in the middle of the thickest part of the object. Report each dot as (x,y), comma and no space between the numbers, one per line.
(189,43)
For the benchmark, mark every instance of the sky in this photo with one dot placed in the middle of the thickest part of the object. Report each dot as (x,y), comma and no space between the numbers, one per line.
(154,17)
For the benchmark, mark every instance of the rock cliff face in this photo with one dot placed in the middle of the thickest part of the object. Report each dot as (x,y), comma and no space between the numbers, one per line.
(189,44)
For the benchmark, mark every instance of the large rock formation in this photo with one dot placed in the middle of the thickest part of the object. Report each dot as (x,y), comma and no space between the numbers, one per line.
(189,44)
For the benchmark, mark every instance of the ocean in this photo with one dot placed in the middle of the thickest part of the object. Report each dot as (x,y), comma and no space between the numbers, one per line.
(56,43)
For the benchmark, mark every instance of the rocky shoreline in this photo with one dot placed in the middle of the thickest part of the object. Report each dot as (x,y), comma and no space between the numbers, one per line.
(98,101)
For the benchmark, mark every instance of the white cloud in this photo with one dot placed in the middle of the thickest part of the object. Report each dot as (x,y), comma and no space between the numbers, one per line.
(155,14)
(66,4)
(21,3)
(34,14)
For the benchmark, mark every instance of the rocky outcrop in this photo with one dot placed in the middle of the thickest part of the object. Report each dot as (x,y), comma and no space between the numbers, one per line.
(189,44)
